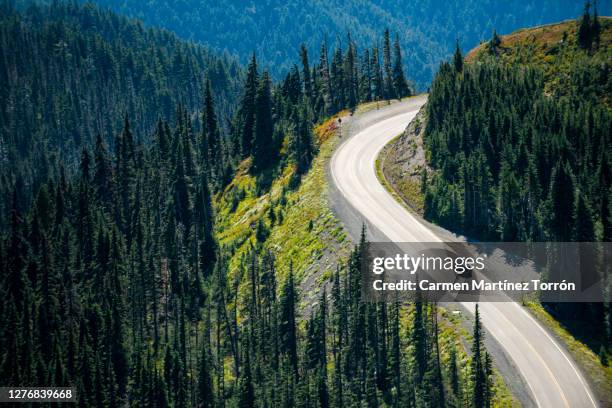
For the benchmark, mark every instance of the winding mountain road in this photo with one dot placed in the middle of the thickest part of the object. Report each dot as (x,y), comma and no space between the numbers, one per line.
(552,378)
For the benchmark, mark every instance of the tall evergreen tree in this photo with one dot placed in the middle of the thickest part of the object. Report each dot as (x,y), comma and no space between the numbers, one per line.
(419,339)
(390,91)
(596,26)
(479,380)
(264,150)
(585,35)
(399,80)
(103,178)
(206,395)
(307,78)
(326,87)
(211,137)
(287,321)
(458,58)
(247,108)
(377,76)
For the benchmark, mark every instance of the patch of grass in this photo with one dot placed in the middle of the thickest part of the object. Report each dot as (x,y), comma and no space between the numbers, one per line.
(311,236)
(405,190)
(588,361)
(368,106)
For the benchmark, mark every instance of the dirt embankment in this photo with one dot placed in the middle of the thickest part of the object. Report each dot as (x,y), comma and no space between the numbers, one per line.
(402,162)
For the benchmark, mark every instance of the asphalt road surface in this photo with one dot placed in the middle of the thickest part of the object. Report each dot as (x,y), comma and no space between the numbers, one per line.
(551,376)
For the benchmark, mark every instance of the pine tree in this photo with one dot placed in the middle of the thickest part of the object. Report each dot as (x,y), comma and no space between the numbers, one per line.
(301,147)
(419,339)
(395,355)
(488,377)
(124,170)
(206,395)
(119,352)
(338,81)
(247,109)
(561,203)
(211,137)
(584,229)
(180,185)
(204,227)
(326,87)
(287,322)
(85,227)
(365,78)
(596,26)
(264,150)
(307,78)
(162,139)
(399,80)
(478,370)
(377,76)
(350,75)
(458,59)
(103,180)
(494,43)
(292,86)
(389,90)
(584,33)
(246,393)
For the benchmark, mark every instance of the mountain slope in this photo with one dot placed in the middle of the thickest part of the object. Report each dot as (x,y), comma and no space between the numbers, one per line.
(516,145)
(536,88)
(127,281)
(78,73)
(567,69)
(518,134)
(274,28)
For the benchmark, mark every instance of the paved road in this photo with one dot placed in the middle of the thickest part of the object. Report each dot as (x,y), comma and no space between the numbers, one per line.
(552,377)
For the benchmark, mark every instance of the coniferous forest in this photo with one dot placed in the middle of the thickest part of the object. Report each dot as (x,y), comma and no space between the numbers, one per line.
(520,146)
(78,73)
(114,141)
(274,28)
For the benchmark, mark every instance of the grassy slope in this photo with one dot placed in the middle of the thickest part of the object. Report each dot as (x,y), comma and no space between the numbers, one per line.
(314,251)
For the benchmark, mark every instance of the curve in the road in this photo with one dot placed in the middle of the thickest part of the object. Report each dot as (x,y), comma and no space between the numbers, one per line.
(550,373)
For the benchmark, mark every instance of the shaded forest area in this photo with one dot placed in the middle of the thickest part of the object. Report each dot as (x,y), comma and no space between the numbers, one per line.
(70,73)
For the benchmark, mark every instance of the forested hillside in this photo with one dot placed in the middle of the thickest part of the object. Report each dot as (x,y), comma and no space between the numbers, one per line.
(521,146)
(113,280)
(70,73)
(428,28)
(519,142)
